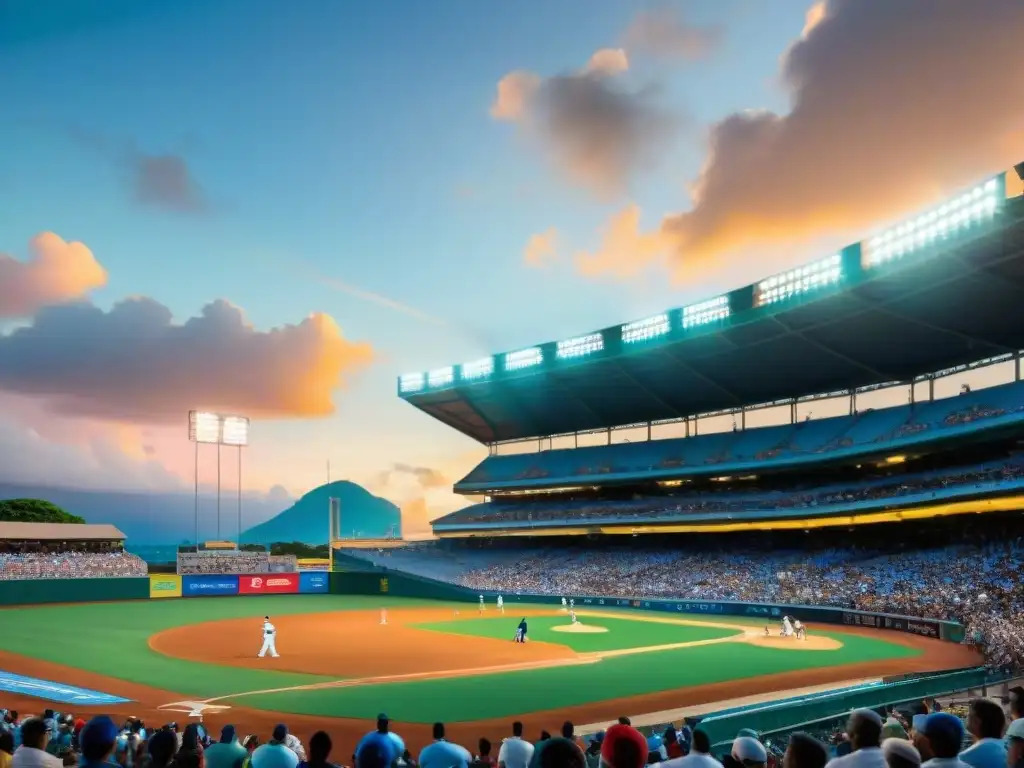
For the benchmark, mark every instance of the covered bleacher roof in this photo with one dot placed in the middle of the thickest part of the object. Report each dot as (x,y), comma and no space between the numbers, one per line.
(939,291)
(58,532)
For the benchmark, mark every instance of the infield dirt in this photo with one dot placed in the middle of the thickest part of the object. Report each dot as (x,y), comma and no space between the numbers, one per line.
(354,644)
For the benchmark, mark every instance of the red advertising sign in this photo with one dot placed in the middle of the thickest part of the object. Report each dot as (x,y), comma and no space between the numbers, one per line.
(268,584)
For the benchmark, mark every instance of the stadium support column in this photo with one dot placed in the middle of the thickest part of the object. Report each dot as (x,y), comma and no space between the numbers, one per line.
(196,508)
(238,543)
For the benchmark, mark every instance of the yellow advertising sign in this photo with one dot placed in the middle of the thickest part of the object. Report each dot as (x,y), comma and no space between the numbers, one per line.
(164,585)
(383,585)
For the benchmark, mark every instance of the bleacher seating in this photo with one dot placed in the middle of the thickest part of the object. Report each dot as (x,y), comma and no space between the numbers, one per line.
(874,431)
(70,565)
(235,562)
(685,504)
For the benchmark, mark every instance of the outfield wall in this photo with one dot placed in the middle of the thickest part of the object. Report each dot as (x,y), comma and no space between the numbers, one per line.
(382,581)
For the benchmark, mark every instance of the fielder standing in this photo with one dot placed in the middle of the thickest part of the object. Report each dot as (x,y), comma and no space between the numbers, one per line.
(269,639)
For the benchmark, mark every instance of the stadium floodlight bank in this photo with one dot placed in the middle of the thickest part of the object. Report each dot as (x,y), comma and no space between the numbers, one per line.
(864,273)
(221,430)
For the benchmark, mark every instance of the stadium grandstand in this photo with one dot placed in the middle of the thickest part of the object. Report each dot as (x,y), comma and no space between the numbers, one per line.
(64,551)
(832,433)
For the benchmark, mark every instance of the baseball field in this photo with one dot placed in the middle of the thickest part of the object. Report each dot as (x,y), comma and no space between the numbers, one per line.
(169,659)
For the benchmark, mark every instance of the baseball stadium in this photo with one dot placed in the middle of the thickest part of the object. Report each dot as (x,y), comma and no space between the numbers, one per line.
(676,552)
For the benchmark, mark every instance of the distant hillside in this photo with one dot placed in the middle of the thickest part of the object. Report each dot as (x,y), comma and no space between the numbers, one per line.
(307,521)
(152,518)
(34,511)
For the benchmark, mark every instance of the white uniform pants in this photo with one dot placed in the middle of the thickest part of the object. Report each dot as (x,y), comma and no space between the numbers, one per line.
(269,646)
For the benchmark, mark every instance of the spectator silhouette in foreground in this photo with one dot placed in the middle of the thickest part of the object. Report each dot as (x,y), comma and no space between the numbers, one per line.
(865,730)
(945,735)
(319,750)
(443,753)
(483,758)
(558,752)
(900,753)
(515,752)
(97,741)
(160,750)
(383,729)
(700,754)
(6,748)
(226,753)
(275,753)
(32,752)
(804,751)
(1015,744)
(986,723)
(623,747)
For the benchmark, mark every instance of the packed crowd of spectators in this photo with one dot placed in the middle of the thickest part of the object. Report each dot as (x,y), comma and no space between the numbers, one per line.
(70,565)
(235,562)
(983,735)
(726,499)
(979,581)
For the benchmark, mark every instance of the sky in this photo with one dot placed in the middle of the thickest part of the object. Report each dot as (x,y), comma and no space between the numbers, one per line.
(275,209)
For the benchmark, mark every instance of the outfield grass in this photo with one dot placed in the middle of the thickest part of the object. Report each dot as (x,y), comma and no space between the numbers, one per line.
(622,632)
(111,639)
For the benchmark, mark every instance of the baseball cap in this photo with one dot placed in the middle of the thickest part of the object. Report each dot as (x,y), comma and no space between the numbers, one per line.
(280,732)
(624,747)
(943,724)
(1016,729)
(98,737)
(893,729)
(747,749)
(377,751)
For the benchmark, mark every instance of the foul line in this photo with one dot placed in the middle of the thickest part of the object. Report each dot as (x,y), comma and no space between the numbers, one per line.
(580,660)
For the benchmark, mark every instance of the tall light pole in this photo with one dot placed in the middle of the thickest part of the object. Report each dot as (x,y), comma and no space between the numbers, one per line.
(221,431)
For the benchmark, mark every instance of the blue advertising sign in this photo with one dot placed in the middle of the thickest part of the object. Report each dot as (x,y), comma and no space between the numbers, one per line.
(313,582)
(204,586)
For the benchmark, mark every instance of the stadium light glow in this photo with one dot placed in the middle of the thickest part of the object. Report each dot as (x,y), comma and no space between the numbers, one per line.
(441,377)
(216,429)
(524,358)
(643,330)
(580,346)
(706,312)
(801,280)
(948,220)
(411,382)
(478,369)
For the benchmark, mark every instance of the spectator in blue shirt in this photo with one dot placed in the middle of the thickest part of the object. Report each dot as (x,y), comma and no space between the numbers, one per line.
(443,754)
(275,754)
(383,729)
(986,723)
(226,753)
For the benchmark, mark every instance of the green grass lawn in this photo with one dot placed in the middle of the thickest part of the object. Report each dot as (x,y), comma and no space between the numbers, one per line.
(622,632)
(111,639)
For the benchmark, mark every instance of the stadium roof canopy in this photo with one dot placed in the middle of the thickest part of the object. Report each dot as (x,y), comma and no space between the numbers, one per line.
(58,532)
(936,292)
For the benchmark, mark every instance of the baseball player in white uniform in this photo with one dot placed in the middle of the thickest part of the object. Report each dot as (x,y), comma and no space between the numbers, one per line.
(801,632)
(269,639)
(565,604)
(572,618)
(501,604)
(787,627)
(481,603)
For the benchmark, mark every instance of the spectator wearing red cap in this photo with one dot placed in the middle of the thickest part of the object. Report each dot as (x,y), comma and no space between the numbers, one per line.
(623,747)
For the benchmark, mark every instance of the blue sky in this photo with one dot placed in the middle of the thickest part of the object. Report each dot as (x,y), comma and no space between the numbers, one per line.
(350,144)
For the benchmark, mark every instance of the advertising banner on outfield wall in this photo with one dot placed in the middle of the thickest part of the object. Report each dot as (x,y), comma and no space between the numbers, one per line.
(311,582)
(208,586)
(269,584)
(164,585)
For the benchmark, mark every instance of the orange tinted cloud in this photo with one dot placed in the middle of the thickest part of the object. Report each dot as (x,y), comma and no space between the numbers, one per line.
(541,249)
(625,250)
(596,130)
(895,106)
(56,272)
(134,363)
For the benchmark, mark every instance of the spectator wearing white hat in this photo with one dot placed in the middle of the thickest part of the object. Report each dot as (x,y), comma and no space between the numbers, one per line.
(1015,744)
(865,730)
(900,753)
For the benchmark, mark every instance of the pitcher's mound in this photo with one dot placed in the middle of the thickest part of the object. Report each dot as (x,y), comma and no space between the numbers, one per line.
(581,628)
(810,643)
